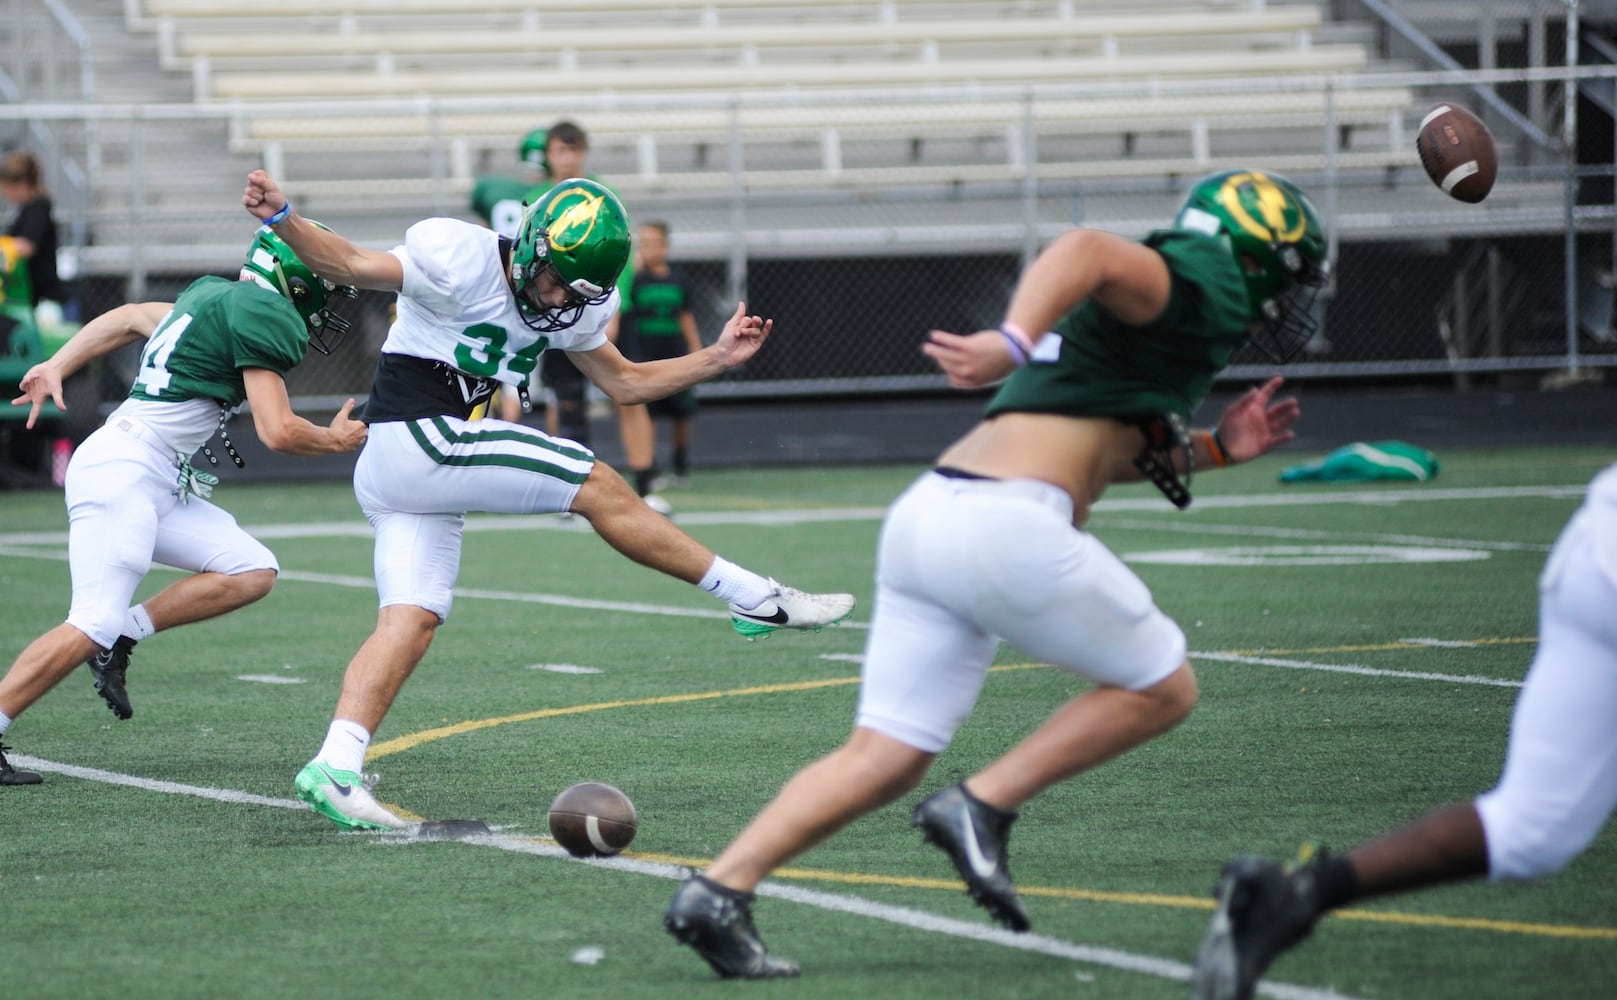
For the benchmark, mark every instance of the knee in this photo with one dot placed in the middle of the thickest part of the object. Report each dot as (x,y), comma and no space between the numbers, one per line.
(408,625)
(1175,695)
(253,585)
(896,765)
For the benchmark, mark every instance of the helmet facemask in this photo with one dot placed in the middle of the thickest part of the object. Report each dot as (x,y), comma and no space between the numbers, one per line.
(1287,320)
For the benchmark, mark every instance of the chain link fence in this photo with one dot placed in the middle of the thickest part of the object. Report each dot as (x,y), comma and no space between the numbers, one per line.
(860,218)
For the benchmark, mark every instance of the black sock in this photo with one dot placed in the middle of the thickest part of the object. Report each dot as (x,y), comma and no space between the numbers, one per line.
(682,462)
(642,480)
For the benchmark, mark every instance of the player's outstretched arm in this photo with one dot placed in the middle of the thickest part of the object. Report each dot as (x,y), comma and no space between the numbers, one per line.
(627,383)
(1254,424)
(326,253)
(106,333)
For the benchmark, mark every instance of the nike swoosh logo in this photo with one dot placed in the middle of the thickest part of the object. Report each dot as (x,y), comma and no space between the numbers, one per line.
(778,618)
(341,788)
(974,852)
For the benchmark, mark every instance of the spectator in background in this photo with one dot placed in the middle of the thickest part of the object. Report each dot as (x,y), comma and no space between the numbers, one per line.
(657,323)
(133,498)
(31,292)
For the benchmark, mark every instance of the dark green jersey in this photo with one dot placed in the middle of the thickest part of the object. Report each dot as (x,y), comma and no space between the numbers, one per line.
(652,313)
(1093,365)
(498,201)
(216,328)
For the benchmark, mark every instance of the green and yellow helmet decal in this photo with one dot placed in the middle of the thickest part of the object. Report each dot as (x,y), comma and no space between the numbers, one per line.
(578,231)
(271,263)
(1278,241)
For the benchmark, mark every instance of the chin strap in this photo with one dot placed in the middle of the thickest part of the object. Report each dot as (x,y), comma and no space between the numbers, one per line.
(1164,434)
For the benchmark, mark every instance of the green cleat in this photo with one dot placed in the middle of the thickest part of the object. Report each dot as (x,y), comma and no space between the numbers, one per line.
(341,796)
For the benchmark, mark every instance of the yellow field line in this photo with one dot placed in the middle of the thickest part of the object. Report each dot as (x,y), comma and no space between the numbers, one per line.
(1158,899)
(411,740)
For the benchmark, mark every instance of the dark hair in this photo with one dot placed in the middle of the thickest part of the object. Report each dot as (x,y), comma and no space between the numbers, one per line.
(20,168)
(568,133)
(657,224)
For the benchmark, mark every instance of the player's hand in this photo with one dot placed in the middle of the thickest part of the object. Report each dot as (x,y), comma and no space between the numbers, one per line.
(972,360)
(347,432)
(1257,422)
(42,382)
(262,196)
(743,335)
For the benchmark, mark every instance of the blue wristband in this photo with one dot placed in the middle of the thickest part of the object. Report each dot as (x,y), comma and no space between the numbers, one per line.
(279,217)
(1018,352)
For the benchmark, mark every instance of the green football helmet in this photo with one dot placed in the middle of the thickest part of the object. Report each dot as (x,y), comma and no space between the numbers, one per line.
(532,150)
(577,232)
(1279,243)
(273,265)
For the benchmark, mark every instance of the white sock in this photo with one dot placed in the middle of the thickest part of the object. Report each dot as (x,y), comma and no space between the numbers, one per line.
(734,585)
(138,624)
(344,749)
(5,720)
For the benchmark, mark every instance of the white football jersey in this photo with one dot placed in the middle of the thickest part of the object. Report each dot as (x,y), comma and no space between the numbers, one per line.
(457,306)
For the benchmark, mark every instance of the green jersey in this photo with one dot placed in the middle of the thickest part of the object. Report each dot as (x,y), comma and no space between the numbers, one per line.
(498,201)
(216,328)
(1094,365)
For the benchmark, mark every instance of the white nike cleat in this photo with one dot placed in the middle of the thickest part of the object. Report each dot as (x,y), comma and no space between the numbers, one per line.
(658,504)
(788,607)
(341,796)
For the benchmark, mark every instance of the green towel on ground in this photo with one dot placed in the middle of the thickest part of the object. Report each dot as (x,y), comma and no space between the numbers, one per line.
(1361,462)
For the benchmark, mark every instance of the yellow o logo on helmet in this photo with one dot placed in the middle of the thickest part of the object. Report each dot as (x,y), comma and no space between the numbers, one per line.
(1272,204)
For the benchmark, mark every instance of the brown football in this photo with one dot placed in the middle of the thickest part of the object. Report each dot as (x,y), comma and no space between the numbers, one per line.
(1457,151)
(592,820)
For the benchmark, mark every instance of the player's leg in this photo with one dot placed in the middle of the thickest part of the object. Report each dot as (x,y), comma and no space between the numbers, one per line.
(116,490)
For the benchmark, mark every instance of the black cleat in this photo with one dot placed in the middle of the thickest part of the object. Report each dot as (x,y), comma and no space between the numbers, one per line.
(11,776)
(975,835)
(109,667)
(717,922)
(1262,910)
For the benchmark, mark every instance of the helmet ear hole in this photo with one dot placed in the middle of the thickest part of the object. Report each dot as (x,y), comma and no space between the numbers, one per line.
(300,289)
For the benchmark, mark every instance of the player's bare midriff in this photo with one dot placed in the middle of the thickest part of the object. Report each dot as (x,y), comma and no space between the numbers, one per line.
(1082,455)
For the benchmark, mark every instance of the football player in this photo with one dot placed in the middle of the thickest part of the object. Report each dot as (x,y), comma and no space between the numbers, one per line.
(476,310)
(133,497)
(1107,347)
(1558,788)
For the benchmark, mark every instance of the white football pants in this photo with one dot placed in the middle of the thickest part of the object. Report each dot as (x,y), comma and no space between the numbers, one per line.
(965,563)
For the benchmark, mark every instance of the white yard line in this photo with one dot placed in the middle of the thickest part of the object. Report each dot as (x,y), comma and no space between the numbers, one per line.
(835,902)
(1347,668)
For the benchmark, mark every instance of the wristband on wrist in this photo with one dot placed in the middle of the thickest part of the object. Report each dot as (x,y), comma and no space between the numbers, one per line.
(279,217)
(1019,335)
(1216,450)
(1018,352)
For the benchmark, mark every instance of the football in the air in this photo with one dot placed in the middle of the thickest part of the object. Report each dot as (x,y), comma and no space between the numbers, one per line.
(1457,151)
(593,820)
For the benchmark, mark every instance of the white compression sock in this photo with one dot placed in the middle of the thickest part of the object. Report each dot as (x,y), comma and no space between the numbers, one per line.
(734,585)
(138,624)
(344,749)
(5,720)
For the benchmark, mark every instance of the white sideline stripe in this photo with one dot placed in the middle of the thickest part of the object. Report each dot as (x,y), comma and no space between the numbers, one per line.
(1340,668)
(904,916)
(269,679)
(1310,534)
(917,919)
(153,785)
(508,522)
(1440,643)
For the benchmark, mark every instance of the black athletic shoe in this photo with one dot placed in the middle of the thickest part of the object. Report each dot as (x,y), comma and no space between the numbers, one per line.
(975,835)
(11,776)
(109,667)
(1263,909)
(717,922)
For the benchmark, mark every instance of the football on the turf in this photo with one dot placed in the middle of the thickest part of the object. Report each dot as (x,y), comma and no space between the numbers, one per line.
(1457,151)
(593,820)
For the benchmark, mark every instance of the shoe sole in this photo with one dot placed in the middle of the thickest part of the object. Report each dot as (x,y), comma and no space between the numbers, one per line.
(118,702)
(750,630)
(690,935)
(1216,975)
(315,798)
